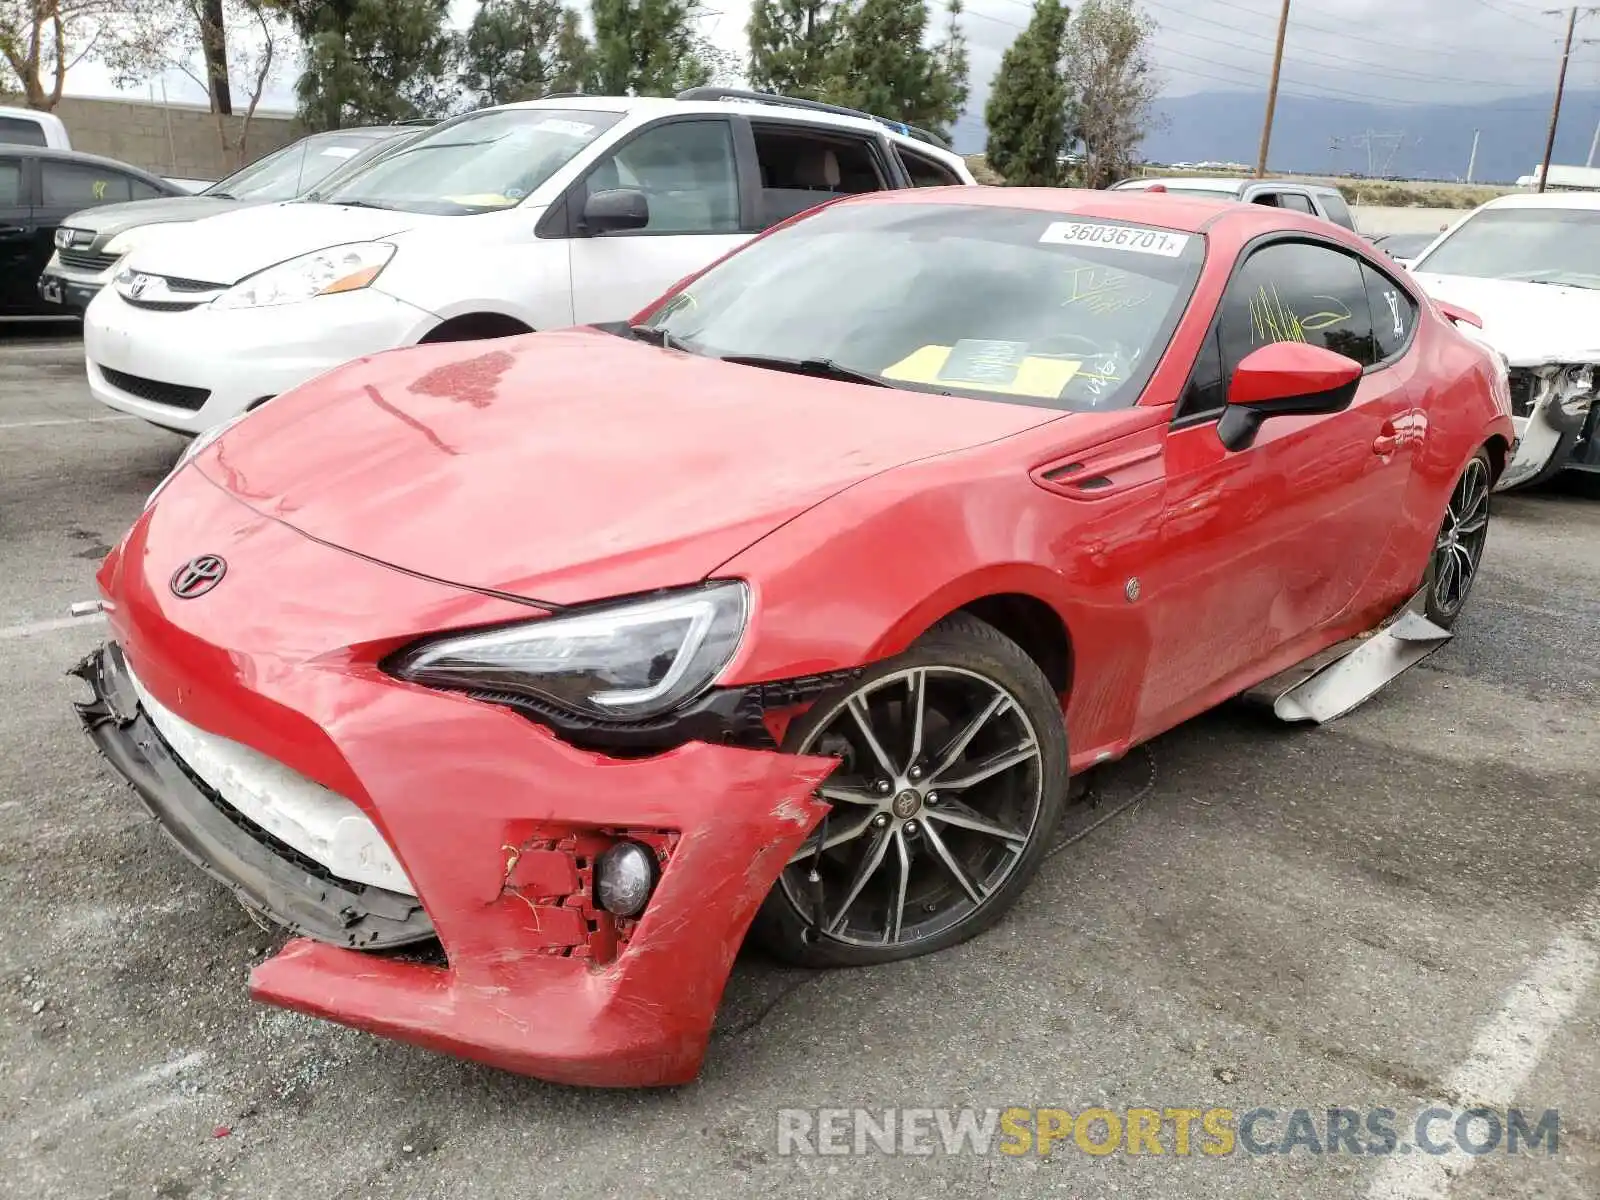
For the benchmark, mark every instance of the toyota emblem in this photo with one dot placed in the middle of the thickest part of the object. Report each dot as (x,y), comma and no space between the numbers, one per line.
(198,576)
(137,287)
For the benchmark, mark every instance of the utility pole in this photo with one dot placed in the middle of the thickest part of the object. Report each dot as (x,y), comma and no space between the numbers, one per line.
(1595,144)
(1561,83)
(1473,160)
(1272,92)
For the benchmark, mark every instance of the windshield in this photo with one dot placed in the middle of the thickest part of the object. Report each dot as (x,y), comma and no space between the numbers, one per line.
(485,162)
(1536,245)
(997,303)
(285,174)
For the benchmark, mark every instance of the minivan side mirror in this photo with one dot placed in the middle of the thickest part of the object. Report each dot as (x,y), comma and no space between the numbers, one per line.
(1285,379)
(616,208)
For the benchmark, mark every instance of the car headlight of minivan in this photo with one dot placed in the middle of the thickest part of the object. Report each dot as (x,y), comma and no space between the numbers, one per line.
(621,661)
(326,272)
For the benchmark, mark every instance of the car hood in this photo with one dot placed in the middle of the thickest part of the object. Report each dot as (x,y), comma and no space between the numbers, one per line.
(573,465)
(226,248)
(1530,323)
(109,220)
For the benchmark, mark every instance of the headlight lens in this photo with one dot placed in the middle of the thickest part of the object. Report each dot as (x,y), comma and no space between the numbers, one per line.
(322,273)
(127,240)
(199,443)
(621,661)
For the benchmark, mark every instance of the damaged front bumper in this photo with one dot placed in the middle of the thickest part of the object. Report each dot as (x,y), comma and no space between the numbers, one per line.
(1555,430)
(495,826)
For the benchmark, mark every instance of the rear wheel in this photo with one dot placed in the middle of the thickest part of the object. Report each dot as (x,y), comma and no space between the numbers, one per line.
(1459,544)
(952,778)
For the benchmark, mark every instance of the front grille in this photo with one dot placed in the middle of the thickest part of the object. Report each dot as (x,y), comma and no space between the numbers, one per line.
(161,305)
(83,260)
(1524,391)
(174,395)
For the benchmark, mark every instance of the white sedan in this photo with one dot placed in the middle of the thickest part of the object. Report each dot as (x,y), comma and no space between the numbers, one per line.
(1529,266)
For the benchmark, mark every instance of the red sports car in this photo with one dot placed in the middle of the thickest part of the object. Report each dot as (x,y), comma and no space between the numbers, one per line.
(522,679)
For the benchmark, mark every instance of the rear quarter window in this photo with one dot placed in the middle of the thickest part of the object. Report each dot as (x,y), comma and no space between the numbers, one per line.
(1338,211)
(19,131)
(1394,314)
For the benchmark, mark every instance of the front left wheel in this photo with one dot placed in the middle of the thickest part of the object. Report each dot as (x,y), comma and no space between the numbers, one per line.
(952,778)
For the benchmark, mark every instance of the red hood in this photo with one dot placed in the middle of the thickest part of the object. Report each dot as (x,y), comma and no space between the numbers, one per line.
(572,465)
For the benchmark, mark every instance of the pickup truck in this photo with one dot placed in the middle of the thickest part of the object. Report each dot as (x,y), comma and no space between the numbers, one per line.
(1317,199)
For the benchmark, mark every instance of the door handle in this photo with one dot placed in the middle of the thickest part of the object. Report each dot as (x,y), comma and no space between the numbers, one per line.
(11,231)
(1388,439)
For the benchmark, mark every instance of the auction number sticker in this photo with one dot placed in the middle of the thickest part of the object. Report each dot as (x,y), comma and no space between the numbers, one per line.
(1116,237)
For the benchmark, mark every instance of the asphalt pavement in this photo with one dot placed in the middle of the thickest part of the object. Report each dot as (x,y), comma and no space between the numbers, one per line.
(1396,911)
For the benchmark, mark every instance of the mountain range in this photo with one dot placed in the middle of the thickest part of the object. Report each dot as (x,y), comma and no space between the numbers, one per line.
(1326,136)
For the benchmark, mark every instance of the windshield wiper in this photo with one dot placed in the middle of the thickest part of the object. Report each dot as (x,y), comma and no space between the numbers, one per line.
(654,334)
(361,204)
(822,368)
(223,195)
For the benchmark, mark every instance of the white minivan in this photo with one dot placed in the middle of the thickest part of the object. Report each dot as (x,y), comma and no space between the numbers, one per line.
(560,211)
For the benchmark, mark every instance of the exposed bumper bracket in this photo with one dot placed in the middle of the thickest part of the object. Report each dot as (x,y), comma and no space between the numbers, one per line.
(1331,684)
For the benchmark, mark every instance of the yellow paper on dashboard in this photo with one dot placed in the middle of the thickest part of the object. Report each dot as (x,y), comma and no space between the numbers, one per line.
(991,366)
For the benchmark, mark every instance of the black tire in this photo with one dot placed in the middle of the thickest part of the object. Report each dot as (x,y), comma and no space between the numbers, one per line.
(959,646)
(1445,600)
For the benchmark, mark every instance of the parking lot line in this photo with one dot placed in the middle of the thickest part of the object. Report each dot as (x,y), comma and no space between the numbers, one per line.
(1504,1054)
(9,632)
(64,421)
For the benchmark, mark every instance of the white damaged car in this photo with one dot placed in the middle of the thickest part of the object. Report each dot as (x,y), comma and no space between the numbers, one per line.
(1529,267)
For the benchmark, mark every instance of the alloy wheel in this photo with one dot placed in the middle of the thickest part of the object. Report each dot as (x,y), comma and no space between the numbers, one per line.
(935,801)
(1458,551)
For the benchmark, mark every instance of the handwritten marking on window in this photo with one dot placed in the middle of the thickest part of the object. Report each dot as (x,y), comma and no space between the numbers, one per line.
(1104,289)
(99,189)
(1271,320)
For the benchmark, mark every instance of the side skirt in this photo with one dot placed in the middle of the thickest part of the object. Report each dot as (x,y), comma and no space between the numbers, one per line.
(1339,679)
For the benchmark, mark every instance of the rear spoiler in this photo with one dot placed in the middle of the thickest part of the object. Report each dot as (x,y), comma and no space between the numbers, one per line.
(1456,313)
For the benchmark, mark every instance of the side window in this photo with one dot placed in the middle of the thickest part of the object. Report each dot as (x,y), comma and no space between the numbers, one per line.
(20,131)
(140,190)
(1297,292)
(10,183)
(925,172)
(687,172)
(1394,314)
(1298,202)
(76,185)
(1270,199)
(1338,210)
(802,168)
(1205,393)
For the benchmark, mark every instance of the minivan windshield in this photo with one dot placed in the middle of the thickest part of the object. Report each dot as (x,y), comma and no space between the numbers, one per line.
(482,163)
(994,302)
(286,173)
(1533,245)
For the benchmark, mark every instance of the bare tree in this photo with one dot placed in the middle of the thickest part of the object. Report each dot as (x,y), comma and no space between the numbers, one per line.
(153,37)
(1112,86)
(41,40)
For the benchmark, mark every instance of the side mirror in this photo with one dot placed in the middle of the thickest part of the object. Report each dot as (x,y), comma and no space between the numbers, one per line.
(616,208)
(1285,379)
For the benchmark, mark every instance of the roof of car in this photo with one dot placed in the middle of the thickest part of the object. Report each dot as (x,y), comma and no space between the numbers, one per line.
(1576,200)
(79,156)
(1182,214)
(649,106)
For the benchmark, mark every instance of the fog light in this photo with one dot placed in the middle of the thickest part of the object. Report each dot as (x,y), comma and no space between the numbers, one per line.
(1577,390)
(624,877)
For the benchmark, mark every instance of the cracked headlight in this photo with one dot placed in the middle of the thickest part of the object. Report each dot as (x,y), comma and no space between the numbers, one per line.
(629,660)
(1575,389)
(345,268)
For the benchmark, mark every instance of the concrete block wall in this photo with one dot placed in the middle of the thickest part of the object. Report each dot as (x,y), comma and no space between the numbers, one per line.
(177,140)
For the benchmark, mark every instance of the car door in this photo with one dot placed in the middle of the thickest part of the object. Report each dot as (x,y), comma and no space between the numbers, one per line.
(1262,546)
(688,170)
(17,236)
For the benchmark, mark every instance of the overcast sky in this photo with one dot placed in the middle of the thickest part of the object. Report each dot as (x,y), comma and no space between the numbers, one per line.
(1384,51)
